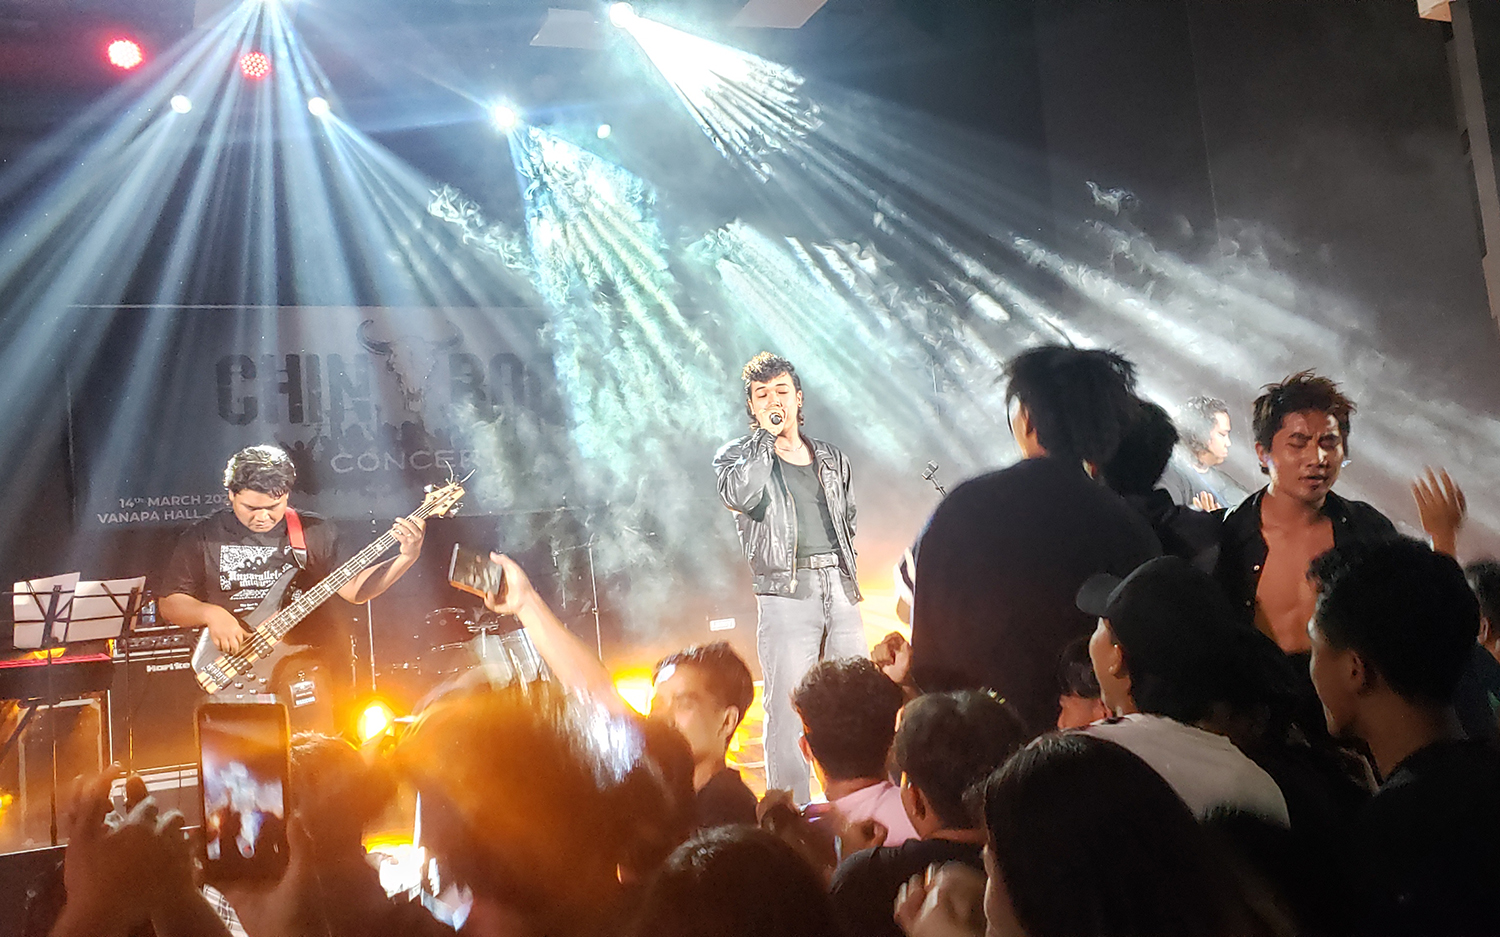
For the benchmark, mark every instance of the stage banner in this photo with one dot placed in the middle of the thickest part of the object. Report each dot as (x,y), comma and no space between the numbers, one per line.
(371,404)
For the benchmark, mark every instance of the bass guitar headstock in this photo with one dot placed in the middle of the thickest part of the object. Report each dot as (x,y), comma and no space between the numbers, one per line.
(444,500)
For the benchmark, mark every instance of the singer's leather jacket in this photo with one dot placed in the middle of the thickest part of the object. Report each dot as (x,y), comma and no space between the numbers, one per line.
(751,486)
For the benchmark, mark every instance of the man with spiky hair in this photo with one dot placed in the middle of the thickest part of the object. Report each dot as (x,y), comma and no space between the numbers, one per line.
(795,514)
(1004,553)
(1302,440)
(1195,477)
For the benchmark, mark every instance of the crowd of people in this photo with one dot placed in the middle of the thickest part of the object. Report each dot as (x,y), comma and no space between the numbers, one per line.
(1136,700)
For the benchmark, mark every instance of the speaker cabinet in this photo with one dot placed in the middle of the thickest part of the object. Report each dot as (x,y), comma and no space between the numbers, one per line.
(152,702)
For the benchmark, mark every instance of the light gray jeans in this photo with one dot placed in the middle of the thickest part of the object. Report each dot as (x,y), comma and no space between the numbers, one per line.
(818,623)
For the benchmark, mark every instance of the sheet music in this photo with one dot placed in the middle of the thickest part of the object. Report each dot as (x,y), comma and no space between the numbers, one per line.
(30,606)
(99,609)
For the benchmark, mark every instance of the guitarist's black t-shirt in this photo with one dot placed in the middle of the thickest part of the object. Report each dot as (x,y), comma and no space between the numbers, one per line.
(223,562)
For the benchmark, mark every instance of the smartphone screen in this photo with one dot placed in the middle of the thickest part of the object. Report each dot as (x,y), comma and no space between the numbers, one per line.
(243,774)
(475,572)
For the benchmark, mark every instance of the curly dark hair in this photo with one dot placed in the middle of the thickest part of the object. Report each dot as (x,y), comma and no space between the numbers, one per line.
(1406,609)
(848,708)
(728,677)
(763,367)
(266,469)
(1080,401)
(1196,420)
(950,742)
(1304,390)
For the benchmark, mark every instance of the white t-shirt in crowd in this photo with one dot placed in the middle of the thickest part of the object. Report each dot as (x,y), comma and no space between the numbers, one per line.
(1205,769)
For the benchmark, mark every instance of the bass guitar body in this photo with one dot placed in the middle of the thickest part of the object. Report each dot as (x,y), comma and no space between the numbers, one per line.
(221,675)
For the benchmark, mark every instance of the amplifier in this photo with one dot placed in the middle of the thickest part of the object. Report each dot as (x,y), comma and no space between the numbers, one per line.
(153,699)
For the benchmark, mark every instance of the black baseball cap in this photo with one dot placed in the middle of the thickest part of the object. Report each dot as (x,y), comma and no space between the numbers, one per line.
(1183,644)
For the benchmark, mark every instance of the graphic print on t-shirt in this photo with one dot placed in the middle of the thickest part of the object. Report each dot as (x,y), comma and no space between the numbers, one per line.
(247,572)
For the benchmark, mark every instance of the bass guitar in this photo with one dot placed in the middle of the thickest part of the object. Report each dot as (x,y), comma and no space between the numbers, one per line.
(248,671)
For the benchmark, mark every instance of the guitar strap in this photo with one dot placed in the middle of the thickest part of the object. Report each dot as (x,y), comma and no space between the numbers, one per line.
(298,538)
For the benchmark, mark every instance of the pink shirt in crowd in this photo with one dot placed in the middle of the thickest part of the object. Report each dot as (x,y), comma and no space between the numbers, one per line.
(881,802)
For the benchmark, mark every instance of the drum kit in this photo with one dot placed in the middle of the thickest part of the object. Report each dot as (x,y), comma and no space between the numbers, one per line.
(465,645)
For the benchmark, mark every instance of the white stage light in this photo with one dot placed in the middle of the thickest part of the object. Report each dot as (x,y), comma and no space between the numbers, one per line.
(604,131)
(504,117)
(621,14)
(318,107)
(181,104)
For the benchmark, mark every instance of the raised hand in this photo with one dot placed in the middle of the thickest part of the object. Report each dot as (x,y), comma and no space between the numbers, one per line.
(1442,507)
(516,590)
(945,901)
(117,870)
(1205,501)
(862,835)
(893,656)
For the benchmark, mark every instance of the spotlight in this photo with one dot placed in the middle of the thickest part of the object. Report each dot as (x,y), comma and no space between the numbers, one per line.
(318,107)
(375,721)
(621,14)
(255,65)
(604,131)
(124,54)
(181,103)
(505,118)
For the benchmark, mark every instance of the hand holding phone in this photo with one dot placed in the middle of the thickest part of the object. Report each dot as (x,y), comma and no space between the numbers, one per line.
(243,776)
(475,573)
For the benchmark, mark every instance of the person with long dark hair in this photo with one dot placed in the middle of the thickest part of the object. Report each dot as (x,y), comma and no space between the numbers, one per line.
(1085,840)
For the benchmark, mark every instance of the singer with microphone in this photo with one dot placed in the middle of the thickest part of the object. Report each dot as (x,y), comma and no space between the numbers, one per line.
(795,514)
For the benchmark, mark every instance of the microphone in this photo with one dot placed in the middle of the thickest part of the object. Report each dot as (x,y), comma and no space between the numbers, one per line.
(776,419)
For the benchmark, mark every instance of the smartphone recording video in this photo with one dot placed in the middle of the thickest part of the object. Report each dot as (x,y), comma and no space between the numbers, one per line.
(475,573)
(243,772)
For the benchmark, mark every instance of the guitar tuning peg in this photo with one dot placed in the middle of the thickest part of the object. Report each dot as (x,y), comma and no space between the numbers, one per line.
(428,489)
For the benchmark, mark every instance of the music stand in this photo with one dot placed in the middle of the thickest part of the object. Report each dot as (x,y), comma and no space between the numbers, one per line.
(99,609)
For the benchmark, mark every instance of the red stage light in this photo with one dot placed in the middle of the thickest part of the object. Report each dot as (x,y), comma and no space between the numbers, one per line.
(124,54)
(255,65)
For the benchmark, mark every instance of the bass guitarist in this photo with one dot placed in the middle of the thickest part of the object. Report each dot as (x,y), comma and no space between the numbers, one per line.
(225,565)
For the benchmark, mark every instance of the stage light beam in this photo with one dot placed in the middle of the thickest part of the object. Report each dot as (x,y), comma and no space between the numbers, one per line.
(181,103)
(621,14)
(124,54)
(749,107)
(504,117)
(318,107)
(604,131)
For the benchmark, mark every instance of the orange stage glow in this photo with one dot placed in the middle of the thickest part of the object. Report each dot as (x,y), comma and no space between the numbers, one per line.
(375,720)
(634,686)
